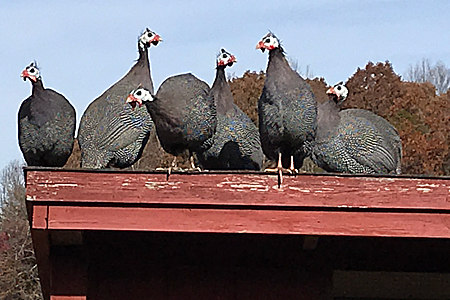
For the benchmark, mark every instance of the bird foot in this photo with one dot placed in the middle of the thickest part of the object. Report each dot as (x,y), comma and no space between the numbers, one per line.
(276,170)
(169,169)
(192,169)
(279,171)
(293,171)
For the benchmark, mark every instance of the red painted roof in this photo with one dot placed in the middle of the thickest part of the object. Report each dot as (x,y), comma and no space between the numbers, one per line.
(239,202)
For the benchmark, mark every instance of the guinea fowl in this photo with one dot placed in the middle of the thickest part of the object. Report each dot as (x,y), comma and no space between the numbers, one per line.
(287,110)
(184,113)
(236,144)
(111,134)
(354,140)
(46,124)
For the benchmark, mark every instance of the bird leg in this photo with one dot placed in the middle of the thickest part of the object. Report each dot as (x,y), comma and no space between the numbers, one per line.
(292,168)
(172,166)
(192,161)
(279,169)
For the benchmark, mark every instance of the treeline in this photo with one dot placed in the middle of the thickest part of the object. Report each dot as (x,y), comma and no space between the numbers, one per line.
(18,270)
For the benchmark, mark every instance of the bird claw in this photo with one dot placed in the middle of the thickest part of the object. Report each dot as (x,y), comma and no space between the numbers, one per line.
(293,171)
(276,170)
(196,169)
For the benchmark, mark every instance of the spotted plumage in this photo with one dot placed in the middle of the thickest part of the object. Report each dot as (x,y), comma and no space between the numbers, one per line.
(287,109)
(183,110)
(111,134)
(235,144)
(354,140)
(46,124)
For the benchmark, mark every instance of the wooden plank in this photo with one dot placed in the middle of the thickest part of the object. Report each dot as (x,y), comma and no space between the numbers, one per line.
(39,217)
(69,279)
(41,246)
(284,283)
(391,285)
(251,221)
(239,189)
(59,297)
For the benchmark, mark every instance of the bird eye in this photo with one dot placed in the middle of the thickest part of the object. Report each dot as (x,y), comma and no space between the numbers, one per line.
(224,55)
(138,93)
(150,34)
(32,70)
(267,40)
(339,88)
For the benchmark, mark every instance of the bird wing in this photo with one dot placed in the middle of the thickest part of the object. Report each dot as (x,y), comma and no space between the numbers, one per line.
(364,143)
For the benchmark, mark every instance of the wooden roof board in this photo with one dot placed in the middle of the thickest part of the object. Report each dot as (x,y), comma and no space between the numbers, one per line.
(332,223)
(304,190)
(233,202)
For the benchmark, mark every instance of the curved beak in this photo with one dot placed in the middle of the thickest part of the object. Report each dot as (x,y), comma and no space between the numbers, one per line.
(332,94)
(260,45)
(331,91)
(133,100)
(156,39)
(26,75)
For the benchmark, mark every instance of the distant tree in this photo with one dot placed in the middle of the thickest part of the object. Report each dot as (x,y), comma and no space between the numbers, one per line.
(424,71)
(18,270)
(293,62)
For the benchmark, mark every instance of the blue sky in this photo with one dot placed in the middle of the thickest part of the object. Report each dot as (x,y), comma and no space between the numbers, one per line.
(83,47)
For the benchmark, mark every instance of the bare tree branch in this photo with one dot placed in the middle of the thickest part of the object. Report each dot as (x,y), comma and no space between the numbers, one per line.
(293,62)
(424,71)
(18,272)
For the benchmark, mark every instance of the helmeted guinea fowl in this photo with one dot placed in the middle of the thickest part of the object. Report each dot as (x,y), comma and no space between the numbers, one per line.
(46,124)
(184,113)
(235,144)
(354,140)
(111,134)
(287,109)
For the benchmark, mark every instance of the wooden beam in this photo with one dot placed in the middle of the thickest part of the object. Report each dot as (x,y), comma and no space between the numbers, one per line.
(250,221)
(59,297)
(305,190)
(69,273)
(390,285)
(39,217)
(66,237)
(310,242)
(41,246)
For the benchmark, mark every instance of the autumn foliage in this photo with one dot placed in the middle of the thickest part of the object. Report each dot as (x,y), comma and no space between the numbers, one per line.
(419,114)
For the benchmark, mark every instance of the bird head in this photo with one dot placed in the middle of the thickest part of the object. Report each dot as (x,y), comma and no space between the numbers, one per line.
(338,93)
(31,72)
(225,58)
(147,38)
(139,96)
(268,42)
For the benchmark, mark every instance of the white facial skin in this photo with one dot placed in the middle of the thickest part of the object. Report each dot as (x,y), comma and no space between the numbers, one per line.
(341,91)
(147,38)
(139,96)
(225,58)
(268,42)
(31,72)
